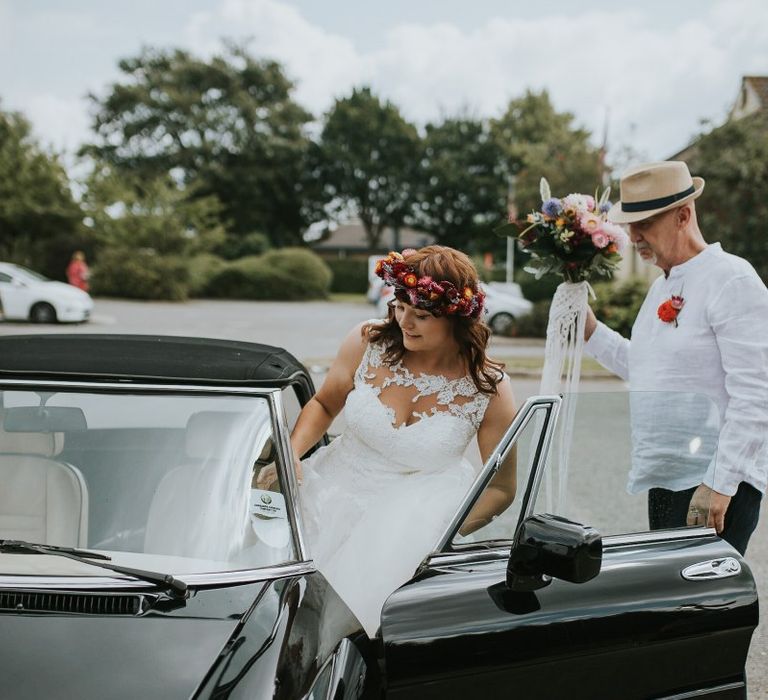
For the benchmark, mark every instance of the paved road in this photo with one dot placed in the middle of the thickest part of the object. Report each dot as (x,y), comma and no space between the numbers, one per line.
(312,331)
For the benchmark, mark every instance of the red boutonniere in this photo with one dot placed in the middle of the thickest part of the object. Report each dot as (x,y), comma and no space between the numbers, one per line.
(669,310)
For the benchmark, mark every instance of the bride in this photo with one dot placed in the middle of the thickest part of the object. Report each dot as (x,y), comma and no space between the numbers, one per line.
(415,389)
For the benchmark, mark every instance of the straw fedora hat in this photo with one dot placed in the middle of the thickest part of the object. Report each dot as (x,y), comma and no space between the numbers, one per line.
(652,188)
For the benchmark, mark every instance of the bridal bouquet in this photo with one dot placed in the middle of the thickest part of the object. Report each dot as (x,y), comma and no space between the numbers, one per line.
(572,237)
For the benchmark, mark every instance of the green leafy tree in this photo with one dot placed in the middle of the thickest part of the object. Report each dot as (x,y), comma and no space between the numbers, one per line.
(367,159)
(733,159)
(538,141)
(463,188)
(40,222)
(227,126)
(129,212)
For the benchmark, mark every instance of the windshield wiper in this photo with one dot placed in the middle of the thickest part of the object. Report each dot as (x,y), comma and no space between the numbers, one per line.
(22,547)
(86,557)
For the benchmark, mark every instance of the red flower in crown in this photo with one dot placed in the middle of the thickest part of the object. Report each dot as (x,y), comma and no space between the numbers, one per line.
(439,298)
(670,309)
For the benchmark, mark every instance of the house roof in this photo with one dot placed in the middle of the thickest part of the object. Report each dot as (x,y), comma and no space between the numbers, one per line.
(759,83)
(351,237)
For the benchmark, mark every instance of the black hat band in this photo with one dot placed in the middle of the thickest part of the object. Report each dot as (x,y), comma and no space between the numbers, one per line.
(659,203)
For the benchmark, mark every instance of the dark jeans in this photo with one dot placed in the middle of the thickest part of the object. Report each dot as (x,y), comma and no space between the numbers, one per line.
(667,509)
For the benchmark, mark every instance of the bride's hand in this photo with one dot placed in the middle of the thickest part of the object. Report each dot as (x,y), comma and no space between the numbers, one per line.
(267,477)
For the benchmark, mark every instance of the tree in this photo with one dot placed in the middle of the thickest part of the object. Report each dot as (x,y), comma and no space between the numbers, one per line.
(463,189)
(228,127)
(367,159)
(733,160)
(537,142)
(128,212)
(40,222)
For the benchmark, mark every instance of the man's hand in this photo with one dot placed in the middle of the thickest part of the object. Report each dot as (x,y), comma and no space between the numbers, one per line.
(708,508)
(590,324)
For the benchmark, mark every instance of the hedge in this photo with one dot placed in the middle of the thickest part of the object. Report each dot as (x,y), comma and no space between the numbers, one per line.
(350,275)
(140,274)
(289,274)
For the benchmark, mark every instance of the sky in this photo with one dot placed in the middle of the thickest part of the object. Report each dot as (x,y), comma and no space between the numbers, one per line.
(647,74)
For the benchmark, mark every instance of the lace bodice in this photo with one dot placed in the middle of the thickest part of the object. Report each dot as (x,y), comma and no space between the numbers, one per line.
(445,414)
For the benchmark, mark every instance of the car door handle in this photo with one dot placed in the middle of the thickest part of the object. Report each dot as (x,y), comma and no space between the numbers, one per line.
(714,568)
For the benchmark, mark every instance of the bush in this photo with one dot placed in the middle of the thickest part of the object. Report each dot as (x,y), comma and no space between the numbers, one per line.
(537,290)
(309,276)
(202,269)
(289,274)
(247,278)
(617,305)
(235,246)
(534,325)
(140,274)
(349,275)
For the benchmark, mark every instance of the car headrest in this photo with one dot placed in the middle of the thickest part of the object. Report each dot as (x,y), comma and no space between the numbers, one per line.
(208,431)
(42,444)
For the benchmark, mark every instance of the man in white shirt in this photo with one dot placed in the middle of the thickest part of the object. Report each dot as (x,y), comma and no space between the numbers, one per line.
(702,333)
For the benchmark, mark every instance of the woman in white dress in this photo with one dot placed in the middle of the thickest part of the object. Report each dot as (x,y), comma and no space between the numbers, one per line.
(415,389)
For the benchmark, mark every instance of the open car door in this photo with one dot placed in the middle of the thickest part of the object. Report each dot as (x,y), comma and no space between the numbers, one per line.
(567,593)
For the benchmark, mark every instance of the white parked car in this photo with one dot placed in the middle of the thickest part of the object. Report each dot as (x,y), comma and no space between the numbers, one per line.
(504,303)
(28,296)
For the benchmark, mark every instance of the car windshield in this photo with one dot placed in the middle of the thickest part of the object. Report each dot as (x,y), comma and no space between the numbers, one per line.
(30,274)
(158,481)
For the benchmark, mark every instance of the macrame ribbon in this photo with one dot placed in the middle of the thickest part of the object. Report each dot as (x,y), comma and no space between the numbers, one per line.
(561,374)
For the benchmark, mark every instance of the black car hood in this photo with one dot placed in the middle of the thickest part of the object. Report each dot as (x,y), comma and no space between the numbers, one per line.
(156,655)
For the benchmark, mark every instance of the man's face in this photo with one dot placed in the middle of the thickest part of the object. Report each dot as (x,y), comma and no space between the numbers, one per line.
(655,238)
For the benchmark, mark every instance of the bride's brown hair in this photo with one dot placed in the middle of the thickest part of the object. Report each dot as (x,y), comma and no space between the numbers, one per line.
(471,334)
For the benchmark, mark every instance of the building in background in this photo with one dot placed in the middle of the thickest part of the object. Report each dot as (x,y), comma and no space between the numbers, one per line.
(349,241)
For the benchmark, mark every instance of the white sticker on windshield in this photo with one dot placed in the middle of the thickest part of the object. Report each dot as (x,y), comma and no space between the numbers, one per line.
(269,519)
(267,504)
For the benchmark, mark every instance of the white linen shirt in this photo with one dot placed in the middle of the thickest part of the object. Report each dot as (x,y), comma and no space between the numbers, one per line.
(719,348)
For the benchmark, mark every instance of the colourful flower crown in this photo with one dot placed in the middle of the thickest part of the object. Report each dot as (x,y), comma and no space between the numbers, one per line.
(439,298)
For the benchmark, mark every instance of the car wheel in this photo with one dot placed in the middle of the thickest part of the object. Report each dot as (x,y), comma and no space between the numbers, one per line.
(42,313)
(501,323)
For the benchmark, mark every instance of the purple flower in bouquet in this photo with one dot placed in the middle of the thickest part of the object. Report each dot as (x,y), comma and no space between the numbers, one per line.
(553,207)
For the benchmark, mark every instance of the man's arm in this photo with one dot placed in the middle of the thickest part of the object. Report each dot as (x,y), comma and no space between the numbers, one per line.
(738,318)
(608,347)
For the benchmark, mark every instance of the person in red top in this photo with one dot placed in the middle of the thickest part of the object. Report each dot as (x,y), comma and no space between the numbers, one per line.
(77,271)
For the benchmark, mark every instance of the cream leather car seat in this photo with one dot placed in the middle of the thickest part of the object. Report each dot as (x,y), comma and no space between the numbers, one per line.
(179,521)
(42,499)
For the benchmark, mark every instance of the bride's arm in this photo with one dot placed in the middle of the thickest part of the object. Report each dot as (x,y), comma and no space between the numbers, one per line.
(500,492)
(318,413)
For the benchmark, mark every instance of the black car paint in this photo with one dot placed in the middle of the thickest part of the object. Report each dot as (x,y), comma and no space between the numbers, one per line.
(259,640)
(458,631)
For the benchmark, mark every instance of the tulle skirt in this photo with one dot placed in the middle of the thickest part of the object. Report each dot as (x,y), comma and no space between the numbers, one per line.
(370,523)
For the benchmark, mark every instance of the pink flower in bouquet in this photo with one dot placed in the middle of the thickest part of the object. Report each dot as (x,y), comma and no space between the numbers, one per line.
(590,222)
(616,234)
(600,239)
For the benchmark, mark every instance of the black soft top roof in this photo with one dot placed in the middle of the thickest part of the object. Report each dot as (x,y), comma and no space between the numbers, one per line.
(153,359)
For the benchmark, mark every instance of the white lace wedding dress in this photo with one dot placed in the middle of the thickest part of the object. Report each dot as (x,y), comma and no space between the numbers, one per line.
(377,498)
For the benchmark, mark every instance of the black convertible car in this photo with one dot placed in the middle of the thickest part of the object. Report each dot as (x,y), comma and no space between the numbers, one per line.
(138,559)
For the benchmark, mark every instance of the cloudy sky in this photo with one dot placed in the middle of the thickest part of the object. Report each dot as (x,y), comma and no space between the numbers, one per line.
(654,69)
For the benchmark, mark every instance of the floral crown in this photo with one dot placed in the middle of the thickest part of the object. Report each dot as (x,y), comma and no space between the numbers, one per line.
(439,298)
